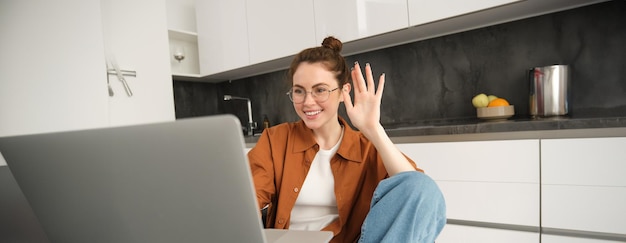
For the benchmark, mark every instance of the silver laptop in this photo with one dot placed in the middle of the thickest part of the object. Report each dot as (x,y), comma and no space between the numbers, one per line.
(181,181)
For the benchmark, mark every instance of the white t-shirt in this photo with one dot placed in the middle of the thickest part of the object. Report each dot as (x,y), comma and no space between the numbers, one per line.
(316,205)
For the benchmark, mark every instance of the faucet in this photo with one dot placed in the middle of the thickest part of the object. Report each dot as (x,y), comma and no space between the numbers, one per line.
(251,124)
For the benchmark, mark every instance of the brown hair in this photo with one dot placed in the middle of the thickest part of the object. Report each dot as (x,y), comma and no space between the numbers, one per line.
(327,54)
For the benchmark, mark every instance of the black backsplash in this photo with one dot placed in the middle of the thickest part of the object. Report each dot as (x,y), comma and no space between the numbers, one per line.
(435,79)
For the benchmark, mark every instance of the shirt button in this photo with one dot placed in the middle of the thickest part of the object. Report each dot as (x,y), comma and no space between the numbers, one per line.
(295,189)
(281,221)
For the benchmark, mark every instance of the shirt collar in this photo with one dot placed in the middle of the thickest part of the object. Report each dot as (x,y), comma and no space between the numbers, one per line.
(349,149)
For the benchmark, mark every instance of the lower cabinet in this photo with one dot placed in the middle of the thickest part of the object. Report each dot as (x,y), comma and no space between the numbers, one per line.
(560,190)
(584,188)
(469,234)
(568,239)
(493,184)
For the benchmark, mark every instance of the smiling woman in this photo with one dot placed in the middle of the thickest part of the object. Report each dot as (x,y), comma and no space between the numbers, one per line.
(319,174)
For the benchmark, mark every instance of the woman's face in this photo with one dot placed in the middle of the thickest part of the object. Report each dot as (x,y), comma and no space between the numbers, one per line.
(314,77)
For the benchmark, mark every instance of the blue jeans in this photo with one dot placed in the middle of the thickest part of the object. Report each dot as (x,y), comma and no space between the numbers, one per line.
(407,207)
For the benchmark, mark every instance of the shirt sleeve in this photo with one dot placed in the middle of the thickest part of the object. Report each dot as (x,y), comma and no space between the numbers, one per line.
(262,168)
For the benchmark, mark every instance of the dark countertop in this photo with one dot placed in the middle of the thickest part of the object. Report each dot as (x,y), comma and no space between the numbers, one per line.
(475,125)
(512,128)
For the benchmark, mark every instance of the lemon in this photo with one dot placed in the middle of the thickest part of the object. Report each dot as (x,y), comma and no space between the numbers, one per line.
(480,100)
(491,97)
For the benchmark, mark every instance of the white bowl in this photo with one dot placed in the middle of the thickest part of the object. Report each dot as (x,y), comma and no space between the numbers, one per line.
(496,112)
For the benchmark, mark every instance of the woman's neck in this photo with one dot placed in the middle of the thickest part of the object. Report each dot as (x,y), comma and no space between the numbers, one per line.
(328,135)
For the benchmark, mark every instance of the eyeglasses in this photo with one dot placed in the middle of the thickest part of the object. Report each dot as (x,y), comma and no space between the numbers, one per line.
(319,94)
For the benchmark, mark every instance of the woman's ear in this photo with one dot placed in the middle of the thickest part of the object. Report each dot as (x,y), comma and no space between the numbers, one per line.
(346,88)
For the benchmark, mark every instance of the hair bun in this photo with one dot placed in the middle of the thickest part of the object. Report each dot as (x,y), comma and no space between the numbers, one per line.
(332,43)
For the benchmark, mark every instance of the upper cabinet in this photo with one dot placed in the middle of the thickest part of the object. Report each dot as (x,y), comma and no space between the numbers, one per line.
(183,39)
(53,67)
(222,35)
(425,11)
(135,35)
(279,28)
(54,71)
(355,19)
(237,33)
(242,38)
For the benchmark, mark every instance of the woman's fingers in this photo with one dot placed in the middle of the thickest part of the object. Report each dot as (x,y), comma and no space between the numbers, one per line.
(357,76)
(366,84)
(370,79)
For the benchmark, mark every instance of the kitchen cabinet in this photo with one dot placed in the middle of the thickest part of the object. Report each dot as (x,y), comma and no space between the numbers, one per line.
(184,43)
(279,28)
(239,38)
(494,182)
(54,72)
(426,11)
(222,35)
(583,187)
(53,67)
(354,19)
(569,239)
(183,39)
(469,234)
(135,32)
(234,34)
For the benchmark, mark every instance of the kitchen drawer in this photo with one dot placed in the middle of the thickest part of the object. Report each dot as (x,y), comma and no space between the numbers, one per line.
(584,161)
(584,208)
(567,239)
(469,234)
(481,161)
(504,203)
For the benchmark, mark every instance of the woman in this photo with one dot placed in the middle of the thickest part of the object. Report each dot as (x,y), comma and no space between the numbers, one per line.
(319,174)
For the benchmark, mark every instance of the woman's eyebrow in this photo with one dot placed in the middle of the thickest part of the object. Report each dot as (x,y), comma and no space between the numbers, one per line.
(314,86)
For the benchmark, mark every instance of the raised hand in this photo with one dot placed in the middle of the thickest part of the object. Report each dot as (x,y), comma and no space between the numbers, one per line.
(364,113)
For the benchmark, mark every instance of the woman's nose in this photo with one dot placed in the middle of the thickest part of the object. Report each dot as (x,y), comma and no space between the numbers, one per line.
(308,98)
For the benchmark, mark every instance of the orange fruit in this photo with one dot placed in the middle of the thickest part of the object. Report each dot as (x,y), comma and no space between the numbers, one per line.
(498,102)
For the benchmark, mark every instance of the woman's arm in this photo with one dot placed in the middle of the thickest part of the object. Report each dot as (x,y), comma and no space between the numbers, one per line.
(262,170)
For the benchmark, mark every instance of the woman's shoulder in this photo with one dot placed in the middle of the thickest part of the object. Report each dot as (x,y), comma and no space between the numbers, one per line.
(282,131)
(284,127)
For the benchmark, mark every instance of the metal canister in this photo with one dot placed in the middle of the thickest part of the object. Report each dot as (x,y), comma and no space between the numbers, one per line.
(549,90)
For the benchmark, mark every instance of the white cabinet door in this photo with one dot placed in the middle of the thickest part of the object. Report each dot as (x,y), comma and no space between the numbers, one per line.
(222,35)
(583,184)
(480,161)
(469,234)
(426,11)
(484,181)
(53,67)
(586,161)
(568,239)
(279,28)
(135,32)
(354,19)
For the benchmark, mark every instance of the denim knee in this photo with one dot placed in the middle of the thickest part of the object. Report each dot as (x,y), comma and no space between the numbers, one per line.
(411,184)
(407,207)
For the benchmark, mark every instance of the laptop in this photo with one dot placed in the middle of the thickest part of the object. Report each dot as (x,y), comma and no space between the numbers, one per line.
(181,181)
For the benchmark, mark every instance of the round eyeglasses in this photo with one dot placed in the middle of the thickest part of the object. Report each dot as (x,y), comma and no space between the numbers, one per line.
(319,94)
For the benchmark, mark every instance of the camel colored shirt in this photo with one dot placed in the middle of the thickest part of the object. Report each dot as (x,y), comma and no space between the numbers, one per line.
(281,160)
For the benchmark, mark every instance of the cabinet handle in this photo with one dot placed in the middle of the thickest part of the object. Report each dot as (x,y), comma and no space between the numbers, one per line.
(120,76)
(124,73)
(122,79)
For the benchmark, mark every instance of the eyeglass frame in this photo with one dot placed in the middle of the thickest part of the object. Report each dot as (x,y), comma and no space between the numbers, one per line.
(290,92)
